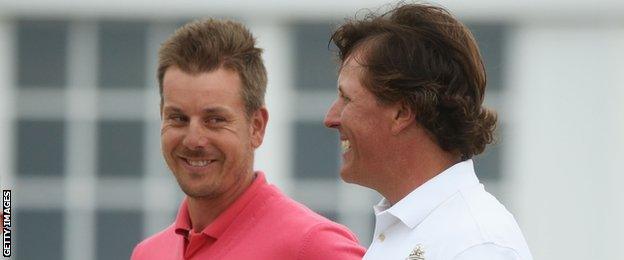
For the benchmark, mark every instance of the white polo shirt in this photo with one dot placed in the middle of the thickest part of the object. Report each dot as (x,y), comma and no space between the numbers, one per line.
(449,217)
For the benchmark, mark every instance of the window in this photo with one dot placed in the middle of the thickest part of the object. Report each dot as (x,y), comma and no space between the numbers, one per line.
(315,66)
(40,147)
(120,148)
(41,53)
(491,40)
(117,233)
(488,164)
(317,151)
(122,54)
(39,234)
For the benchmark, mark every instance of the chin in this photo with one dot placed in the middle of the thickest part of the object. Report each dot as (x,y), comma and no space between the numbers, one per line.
(354,177)
(347,176)
(193,188)
(199,192)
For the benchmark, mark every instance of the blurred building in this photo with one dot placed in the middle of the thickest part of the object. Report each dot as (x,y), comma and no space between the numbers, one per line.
(79,121)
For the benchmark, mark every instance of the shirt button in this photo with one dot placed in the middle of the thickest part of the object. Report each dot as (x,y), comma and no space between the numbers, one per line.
(381,237)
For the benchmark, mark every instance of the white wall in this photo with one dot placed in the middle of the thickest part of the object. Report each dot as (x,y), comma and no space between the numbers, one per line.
(567,139)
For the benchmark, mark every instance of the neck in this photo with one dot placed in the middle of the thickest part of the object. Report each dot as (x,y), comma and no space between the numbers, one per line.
(405,174)
(204,210)
(408,179)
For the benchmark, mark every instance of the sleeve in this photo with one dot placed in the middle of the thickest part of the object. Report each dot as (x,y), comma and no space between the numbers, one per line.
(330,241)
(488,251)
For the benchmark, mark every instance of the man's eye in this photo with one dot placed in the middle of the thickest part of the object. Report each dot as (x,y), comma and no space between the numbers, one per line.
(215,120)
(177,118)
(343,97)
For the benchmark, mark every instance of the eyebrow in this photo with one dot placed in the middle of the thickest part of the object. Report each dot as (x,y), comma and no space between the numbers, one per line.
(215,110)
(208,110)
(172,109)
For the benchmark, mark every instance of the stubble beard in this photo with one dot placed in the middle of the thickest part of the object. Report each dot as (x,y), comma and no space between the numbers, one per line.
(207,191)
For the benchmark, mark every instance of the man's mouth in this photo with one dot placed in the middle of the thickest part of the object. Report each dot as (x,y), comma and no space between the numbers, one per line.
(345,145)
(197,163)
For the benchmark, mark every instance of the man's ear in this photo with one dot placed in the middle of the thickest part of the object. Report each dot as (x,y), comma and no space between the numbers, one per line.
(258,123)
(404,116)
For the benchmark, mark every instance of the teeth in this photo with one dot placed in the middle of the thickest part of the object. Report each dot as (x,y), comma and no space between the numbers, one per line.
(345,145)
(198,163)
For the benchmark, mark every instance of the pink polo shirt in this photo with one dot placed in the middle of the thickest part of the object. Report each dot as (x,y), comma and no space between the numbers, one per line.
(261,224)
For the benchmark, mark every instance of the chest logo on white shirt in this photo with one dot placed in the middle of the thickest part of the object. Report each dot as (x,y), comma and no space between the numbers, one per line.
(418,253)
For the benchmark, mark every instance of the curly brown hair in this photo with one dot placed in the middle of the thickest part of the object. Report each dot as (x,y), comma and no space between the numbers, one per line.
(421,55)
(207,45)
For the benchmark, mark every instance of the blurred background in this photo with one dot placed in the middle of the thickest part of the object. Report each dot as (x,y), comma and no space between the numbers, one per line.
(79,122)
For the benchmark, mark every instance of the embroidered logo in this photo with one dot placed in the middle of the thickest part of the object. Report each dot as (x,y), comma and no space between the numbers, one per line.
(418,253)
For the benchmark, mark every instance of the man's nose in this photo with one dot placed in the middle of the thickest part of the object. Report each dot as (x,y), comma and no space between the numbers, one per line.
(332,118)
(196,137)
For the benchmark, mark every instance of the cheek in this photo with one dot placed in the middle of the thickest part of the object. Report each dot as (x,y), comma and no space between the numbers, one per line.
(361,121)
(232,144)
(165,132)
(169,138)
(370,133)
(246,136)
(163,128)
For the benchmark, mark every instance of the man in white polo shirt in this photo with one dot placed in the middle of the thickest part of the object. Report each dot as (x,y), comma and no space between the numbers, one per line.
(410,117)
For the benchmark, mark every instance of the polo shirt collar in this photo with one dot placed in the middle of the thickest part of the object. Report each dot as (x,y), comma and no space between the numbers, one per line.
(418,204)
(223,221)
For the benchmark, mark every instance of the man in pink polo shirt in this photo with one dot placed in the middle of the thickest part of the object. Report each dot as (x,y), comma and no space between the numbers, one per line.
(212,84)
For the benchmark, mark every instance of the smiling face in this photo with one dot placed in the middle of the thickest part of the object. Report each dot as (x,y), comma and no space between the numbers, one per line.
(207,138)
(364,126)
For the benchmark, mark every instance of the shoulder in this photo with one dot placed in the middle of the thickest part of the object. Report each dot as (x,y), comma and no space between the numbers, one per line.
(330,241)
(154,243)
(310,234)
(473,218)
(288,213)
(492,220)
